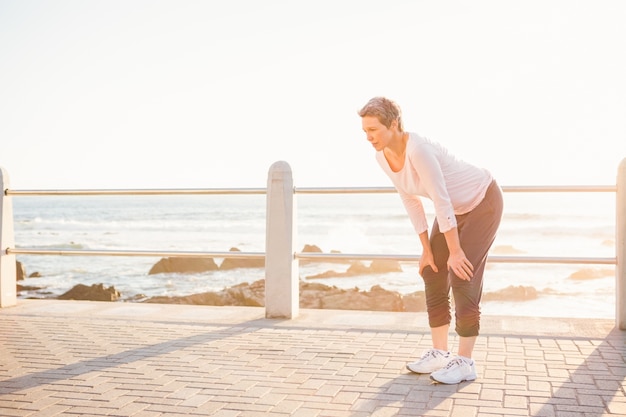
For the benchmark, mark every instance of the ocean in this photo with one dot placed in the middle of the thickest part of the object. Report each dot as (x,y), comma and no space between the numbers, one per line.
(534,224)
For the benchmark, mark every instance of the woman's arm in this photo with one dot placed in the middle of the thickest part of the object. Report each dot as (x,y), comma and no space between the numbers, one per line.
(457,261)
(427,167)
(427,258)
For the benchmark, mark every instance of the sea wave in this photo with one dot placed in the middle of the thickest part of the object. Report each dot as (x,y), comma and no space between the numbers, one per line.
(506,250)
(55,246)
(592,273)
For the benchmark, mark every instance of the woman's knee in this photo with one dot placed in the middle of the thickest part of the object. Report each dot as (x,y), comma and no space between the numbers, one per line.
(468,322)
(467,329)
(439,315)
(438,302)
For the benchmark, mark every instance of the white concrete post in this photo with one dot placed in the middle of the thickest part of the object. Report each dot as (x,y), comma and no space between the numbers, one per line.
(620,247)
(7,262)
(282,283)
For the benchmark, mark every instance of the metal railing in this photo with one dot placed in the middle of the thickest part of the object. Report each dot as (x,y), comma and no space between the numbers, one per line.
(281,258)
(492,258)
(299,255)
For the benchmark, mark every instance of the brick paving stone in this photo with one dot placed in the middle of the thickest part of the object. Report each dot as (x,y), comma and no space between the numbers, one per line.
(313,383)
(287,406)
(123,400)
(542,410)
(198,363)
(492,394)
(51,411)
(328,390)
(304,412)
(512,401)
(435,413)
(226,413)
(345,397)
(579,409)
(501,411)
(386,412)
(539,386)
(464,411)
(617,406)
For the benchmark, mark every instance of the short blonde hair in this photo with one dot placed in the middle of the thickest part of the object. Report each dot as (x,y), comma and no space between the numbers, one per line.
(385,110)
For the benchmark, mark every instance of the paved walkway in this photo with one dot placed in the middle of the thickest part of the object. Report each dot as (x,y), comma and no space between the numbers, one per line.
(121,359)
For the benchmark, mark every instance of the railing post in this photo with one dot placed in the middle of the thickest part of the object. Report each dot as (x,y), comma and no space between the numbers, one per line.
(7,262)
(620,247)
(282,283)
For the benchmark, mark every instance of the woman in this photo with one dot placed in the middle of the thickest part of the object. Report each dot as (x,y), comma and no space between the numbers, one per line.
(468,209)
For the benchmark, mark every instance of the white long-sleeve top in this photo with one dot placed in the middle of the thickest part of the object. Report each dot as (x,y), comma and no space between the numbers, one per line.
(455,186)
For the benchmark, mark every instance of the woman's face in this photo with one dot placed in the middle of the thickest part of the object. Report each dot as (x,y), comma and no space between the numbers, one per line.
(377,133)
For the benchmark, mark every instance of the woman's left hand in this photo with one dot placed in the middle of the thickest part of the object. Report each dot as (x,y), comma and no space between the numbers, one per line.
(460,265)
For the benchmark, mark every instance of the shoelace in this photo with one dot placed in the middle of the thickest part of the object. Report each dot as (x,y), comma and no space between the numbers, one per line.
(431,352)
(454,362)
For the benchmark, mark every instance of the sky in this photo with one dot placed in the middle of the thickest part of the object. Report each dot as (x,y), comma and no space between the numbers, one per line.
(208,94)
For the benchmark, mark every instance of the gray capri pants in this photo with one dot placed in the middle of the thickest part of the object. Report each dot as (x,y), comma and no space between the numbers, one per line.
(477,231)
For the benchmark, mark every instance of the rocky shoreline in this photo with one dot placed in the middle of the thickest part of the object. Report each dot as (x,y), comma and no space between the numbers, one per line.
(313,295)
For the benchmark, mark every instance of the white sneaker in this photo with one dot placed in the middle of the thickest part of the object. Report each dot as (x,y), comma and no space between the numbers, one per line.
(431,361)
(457,370)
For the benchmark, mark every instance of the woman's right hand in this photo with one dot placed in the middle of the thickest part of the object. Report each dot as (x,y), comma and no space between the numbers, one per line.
(427,259)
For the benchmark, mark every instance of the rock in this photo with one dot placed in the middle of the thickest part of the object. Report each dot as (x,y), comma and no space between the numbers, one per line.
(233,263)
(316,249)
(312,295)
(20,271)
(320,296)
(137,298)
(415,301)
(311,249)
(21,288)
(592,273)
(512,293)
(358,268)
(329,274)
(250,295)
(383,266)
(326,274)
(96,292)
(377,299)
(183,265)
(208,298)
